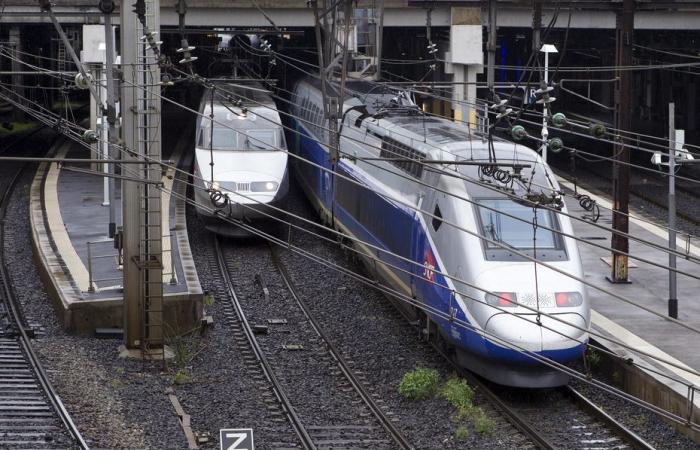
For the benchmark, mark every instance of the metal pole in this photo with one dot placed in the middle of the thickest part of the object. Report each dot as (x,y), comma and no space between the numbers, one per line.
(379,38)
(672,297)
(621,169)
(545,131)
(112,132)
(536,25)
(321,60)
(493,36)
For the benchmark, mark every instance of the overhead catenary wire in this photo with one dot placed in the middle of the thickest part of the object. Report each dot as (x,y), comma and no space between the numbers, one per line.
(285,58)
(501,245)
(681,254)
(465,178)
(575,217)
(346,235)
(390,291)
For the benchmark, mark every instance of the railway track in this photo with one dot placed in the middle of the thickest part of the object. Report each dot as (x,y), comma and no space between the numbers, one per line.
(321,394)
(31,412)
(560,418)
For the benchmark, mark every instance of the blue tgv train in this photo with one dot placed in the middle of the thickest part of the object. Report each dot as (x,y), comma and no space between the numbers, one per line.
(449,241)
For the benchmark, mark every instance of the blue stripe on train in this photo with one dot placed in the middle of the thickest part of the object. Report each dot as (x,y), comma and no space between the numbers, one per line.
(376,213)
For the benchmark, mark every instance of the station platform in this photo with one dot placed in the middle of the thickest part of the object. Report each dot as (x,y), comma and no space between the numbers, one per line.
(668,374)
(79,262)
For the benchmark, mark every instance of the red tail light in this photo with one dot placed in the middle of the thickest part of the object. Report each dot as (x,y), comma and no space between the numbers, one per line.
(502,299)
(568,299)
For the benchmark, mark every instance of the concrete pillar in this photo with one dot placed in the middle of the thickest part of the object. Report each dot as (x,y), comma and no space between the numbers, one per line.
(141,108)
(17,79)
(465,61)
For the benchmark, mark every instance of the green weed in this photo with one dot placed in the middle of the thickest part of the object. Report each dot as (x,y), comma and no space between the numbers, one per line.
(483,424)
(419,384)
(462,432)
(458,393)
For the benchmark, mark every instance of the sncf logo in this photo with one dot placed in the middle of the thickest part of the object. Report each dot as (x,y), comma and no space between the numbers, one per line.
(428,265)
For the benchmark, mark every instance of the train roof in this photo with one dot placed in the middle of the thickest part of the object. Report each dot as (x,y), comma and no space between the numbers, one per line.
(250,94)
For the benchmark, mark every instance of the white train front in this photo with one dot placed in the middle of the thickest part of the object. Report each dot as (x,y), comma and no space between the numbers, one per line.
(240,167)
(467,230)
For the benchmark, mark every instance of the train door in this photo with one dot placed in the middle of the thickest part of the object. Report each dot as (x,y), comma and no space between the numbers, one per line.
(420,238)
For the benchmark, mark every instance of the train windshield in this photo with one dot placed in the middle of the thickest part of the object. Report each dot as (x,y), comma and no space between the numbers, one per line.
(260,140)
(224,138)
(510,223)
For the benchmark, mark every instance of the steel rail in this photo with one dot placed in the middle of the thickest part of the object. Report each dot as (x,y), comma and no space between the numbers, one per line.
(293,417)
(622,431)
(9,298)
(385,421)
(522,424)
(516,419)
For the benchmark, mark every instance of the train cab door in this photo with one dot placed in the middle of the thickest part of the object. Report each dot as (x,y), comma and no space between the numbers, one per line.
(420,236)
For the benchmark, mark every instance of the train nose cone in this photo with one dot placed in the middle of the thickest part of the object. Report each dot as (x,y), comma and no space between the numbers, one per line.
(567,332)
(520,331)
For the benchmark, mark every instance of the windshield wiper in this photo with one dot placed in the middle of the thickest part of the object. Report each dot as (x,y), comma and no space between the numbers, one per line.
(250,144)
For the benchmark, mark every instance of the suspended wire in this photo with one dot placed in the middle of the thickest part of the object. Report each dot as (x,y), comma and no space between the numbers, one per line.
(496,243)
(565,369)
(577,218)
(584,203)
(365,243)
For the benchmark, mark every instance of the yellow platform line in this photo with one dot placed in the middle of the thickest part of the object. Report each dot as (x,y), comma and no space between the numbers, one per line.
(630,339)
(57,227)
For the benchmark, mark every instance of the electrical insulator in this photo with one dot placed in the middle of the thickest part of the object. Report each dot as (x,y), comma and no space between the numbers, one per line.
(559,120)
(555,145)
(186,50)
(90,136)
(432,48)
(597,130)
(504,113)
(543,95)
(518,132)
(166,79)
(81,82)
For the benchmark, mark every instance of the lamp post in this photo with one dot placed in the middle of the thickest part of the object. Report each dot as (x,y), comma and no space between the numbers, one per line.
(546,49)
(677,156)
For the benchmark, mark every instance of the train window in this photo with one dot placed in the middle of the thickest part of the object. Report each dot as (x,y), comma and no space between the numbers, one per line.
(260,140)
(224,138)
(510,226)
(510,223)
(437,220)
(409,158)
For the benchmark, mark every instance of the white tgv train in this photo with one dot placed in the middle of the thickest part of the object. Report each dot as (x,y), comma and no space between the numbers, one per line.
(381,193)
(240,167)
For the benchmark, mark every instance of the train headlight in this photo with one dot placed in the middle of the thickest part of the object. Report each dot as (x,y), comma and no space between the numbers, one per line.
(568,299)
(502,299)
(264,186)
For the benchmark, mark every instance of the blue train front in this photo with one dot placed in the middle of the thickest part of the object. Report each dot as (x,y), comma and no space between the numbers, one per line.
(449,236)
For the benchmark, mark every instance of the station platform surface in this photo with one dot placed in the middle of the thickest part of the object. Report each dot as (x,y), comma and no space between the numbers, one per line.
(79,261)
(670,347)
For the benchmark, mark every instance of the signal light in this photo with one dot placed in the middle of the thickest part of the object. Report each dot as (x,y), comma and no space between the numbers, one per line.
(568,299)
(502,299)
